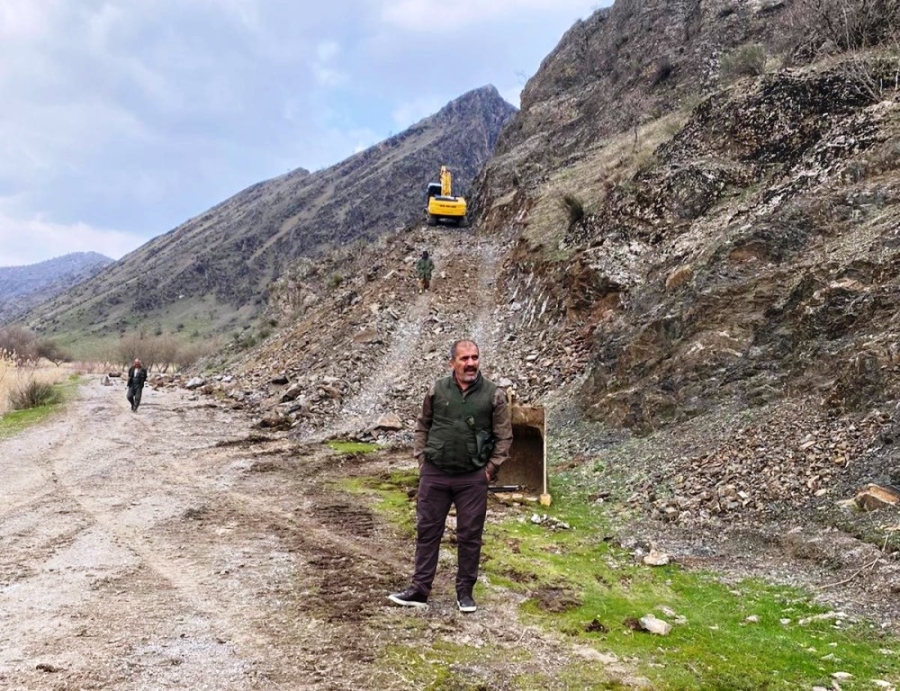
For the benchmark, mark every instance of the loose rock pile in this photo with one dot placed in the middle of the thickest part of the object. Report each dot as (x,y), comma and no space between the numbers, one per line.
(372,346)
(783,464)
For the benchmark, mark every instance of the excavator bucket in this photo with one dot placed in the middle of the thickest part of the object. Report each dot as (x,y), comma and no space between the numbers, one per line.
(526,469)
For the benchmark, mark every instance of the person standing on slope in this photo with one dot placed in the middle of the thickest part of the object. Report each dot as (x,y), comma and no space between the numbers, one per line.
(424,269)
(137,375)
(463,435)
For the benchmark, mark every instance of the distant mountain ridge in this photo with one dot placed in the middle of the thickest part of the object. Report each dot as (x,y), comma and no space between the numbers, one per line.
(211,272)
(23,287)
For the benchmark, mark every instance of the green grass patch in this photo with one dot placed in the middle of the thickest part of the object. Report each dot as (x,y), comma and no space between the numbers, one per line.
(584,587)
(17,421)
(391,493)
(348,447)
(447,666)
(580,585)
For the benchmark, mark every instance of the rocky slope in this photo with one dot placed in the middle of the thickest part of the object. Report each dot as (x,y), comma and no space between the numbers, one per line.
(23,287)
(211,273)
(705,295)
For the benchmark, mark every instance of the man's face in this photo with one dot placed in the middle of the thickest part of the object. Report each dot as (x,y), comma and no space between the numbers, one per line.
(465,363)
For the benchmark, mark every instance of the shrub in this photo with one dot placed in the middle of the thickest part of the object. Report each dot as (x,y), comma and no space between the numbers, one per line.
(20,342)
(662,70)
(32,394)
(749,60)
(52,351)
(574,208)
(189,355)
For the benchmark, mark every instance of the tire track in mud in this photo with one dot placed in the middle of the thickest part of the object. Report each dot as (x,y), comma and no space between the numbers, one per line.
(343,570)
(193,557)
(330,546)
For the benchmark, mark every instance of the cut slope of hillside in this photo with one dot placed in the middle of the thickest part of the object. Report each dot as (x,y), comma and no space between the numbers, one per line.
(210,274)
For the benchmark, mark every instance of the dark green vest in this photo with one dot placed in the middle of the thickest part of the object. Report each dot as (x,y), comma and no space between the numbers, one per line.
(451,442)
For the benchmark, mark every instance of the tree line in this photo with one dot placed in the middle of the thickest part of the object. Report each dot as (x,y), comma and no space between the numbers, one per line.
(22,346)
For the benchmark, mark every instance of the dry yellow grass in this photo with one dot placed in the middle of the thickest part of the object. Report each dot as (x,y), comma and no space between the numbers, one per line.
(607,164)
(13,376)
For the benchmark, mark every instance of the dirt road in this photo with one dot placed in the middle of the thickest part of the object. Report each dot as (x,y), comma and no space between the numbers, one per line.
(173,549)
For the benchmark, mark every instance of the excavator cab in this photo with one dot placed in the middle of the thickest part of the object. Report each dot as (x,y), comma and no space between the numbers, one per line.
(441,206)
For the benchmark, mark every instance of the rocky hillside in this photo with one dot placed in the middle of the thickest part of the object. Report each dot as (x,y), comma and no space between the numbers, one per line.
(212,272)
(703,289)
(23,287)
(738,244)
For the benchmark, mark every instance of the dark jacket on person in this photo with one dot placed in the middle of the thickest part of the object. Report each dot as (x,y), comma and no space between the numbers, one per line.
(136,377)
(424,267)
(450,420)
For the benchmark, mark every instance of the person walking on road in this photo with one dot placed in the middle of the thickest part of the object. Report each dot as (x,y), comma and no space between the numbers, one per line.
(137,375)
(424,269)
(463,434)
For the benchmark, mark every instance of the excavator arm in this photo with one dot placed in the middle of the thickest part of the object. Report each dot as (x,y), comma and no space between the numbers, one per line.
(446,182)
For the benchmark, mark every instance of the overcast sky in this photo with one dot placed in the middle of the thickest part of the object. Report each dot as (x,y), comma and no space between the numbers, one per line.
(121,119)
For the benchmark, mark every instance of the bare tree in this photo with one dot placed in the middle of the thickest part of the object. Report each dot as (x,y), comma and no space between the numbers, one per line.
(20,343)
(52,351)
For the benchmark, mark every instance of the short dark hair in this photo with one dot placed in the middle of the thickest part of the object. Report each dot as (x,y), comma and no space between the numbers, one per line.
(462,340)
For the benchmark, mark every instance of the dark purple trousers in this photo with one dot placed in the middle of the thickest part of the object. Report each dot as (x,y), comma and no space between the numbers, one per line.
(437,491)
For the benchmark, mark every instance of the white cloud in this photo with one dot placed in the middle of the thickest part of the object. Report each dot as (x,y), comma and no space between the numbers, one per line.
(430,17)
(137,115)
(328,50)
(245,13)
(32,240)
(324,73)
(411,112)
(23,20)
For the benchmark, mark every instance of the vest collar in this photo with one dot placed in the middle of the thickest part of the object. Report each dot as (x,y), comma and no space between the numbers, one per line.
(474,385)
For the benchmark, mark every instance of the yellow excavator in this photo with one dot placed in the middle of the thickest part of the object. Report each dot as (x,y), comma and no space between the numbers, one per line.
(442,206)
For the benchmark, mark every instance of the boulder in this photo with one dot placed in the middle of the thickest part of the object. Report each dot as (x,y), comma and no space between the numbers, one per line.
(388,421)
(874,497)
(655,626)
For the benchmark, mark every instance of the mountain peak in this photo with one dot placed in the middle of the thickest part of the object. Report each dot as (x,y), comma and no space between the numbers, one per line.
(230,254)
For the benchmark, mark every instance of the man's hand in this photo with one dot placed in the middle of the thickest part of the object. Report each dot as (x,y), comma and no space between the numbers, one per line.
(490,471)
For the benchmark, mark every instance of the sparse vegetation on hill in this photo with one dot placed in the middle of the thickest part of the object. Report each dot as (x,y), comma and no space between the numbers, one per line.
(24,287)
(210,274)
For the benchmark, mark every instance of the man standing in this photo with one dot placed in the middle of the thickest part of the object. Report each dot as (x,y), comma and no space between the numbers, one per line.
(137,375)
(424,269)
(463,435)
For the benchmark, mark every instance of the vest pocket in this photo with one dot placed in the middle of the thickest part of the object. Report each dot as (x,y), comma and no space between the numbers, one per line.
(434,451)
(472,450)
